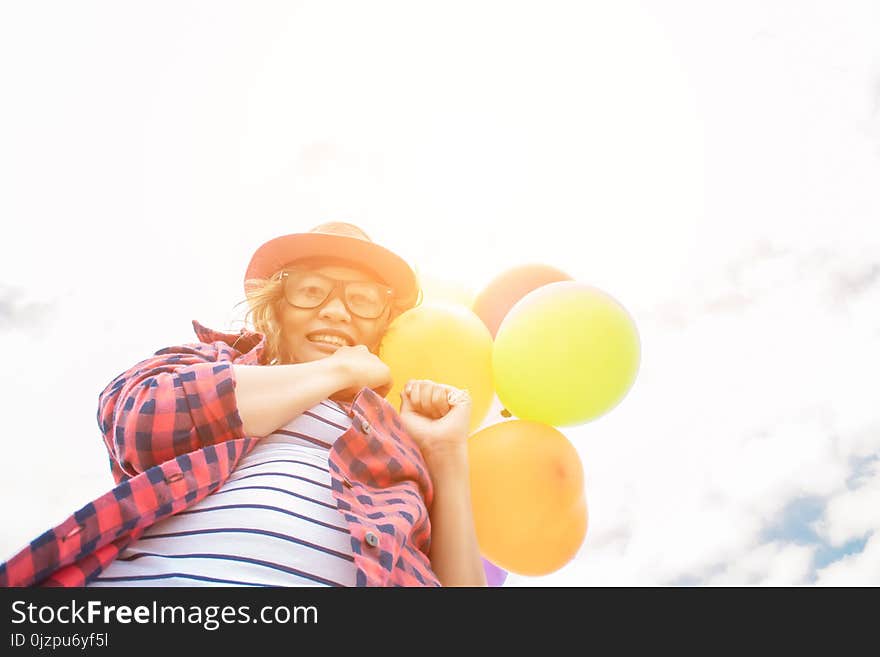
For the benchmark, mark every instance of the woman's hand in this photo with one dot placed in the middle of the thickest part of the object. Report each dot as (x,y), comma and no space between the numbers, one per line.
(437,416)
(361,369)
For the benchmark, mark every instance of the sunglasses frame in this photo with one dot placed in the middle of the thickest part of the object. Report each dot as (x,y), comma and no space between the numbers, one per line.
(284,276)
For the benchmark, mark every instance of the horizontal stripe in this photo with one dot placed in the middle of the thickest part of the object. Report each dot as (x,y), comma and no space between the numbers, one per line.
(282,474)
(265,508)
(261,532)
(333,407)
(277,490)
(246,545)
(327,421)
(198,578)
(237,559)
(296,434)
(310,465)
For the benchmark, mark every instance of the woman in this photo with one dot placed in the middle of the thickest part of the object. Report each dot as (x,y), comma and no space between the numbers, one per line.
(233,472)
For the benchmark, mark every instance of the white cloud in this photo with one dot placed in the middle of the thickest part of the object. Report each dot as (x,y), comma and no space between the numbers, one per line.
(19,313)
(853,513)
(858,569)
(768,564)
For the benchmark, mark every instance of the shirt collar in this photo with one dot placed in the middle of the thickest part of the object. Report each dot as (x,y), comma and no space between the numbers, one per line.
(249,344)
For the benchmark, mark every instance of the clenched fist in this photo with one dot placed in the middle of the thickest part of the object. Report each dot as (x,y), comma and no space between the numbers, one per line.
(361,369)
(437,416)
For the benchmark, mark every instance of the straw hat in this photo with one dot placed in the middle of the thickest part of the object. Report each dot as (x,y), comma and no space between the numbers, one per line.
(337,241)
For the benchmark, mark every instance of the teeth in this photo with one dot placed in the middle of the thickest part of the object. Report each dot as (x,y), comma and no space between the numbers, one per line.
(330,339)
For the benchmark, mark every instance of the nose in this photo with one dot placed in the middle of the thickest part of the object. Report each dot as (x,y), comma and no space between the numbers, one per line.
(334,309)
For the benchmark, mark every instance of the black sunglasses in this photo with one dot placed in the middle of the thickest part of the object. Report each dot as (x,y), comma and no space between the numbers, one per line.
(309,289)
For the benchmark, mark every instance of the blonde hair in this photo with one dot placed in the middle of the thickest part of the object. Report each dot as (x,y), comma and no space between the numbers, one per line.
(265,298)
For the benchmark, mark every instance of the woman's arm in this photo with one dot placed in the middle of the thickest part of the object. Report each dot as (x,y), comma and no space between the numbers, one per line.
(437,417)
(270,397)
(455,554)
(186,398)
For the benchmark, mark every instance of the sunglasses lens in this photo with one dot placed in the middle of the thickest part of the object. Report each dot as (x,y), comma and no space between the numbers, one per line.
(309,290)
(365,299)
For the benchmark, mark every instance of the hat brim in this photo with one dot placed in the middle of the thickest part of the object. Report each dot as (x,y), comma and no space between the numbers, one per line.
(393,270)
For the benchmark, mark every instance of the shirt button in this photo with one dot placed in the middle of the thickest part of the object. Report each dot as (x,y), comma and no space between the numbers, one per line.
(365,426)
(371,539)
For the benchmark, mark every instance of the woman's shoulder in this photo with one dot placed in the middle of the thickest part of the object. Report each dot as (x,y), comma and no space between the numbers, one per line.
(244,341)
(243,348)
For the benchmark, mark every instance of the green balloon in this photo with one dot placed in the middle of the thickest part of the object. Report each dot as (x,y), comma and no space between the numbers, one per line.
(565,354)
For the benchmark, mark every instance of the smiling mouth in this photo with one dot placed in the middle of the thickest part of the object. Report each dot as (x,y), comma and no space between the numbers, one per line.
(331,340)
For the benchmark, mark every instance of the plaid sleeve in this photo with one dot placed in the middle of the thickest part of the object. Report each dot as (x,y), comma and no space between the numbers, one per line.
(180,400)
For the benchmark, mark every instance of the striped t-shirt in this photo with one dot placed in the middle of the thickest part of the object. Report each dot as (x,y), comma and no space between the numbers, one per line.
(274,522)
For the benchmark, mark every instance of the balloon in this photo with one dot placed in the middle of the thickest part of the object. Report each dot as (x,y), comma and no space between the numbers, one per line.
(495,576)
(445,343)
(527,493)
(566,353)
(498,297)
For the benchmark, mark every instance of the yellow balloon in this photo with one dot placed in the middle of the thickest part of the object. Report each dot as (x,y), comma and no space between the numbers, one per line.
(565,354)
(527,495)
(446,343)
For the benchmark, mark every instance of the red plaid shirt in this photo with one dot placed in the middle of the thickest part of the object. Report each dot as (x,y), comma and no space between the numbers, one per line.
(174,436)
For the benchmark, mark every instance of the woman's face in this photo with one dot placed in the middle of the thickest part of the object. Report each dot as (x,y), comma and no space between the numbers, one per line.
(302,328)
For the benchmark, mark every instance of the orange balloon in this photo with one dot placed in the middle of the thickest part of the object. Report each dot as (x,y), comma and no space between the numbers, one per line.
(499,296)
(527,492)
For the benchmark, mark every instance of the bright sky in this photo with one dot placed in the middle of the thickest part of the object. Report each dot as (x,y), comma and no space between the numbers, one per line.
(713,168)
